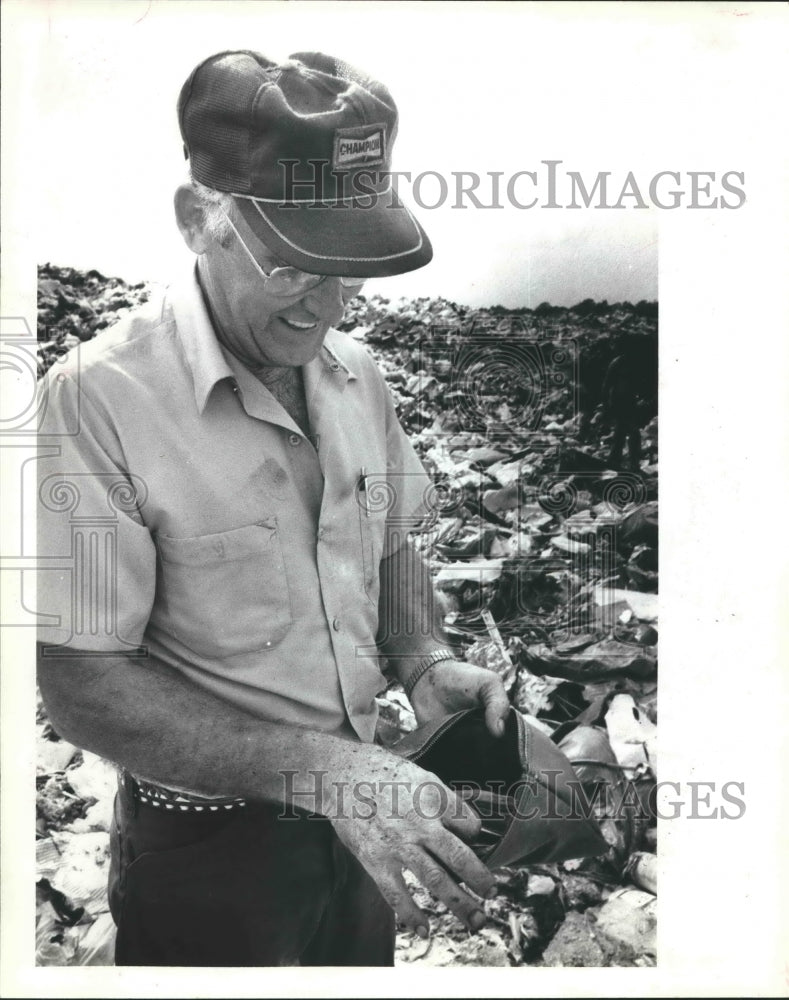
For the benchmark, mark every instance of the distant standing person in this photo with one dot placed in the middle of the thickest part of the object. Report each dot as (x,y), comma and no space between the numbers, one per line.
(620,404)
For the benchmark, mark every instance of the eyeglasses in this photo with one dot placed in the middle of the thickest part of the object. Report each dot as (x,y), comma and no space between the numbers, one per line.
(287,281)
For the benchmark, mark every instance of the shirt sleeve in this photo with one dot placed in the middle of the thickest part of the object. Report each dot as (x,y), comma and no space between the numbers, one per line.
(96,561)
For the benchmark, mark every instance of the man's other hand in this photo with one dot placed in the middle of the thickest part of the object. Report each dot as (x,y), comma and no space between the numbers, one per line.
(451,686)
(401,816)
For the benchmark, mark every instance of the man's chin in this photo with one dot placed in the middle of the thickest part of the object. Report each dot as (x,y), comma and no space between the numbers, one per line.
(298,351)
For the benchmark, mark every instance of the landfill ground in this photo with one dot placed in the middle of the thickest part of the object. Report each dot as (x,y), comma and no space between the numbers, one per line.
(545,561)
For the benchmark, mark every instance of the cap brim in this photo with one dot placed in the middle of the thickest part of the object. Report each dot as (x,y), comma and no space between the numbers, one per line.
(366,238)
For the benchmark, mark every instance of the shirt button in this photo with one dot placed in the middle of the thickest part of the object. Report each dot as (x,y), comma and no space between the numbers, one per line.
(294,439)
(336,625)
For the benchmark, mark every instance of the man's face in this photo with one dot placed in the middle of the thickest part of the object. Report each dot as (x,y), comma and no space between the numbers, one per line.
(261,329)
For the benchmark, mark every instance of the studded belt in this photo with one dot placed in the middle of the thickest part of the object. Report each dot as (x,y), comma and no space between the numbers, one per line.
(169,800)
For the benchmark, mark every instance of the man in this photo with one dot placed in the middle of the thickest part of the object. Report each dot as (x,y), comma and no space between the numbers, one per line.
(621,407)
(214,468)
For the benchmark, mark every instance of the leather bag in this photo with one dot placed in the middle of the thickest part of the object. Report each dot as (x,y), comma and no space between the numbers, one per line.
(521,785)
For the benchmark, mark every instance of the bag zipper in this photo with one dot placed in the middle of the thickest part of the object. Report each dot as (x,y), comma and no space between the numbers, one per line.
(525,739)
(418,754)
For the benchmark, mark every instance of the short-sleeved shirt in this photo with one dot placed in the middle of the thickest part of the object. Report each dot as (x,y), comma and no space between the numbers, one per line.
(183,514)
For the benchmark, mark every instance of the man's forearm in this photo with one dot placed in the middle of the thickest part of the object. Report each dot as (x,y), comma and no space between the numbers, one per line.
(411,624)
(143,715)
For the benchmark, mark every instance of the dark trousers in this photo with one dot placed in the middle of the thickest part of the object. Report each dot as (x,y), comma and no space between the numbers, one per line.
(240,888)
(624,419)
(625,430)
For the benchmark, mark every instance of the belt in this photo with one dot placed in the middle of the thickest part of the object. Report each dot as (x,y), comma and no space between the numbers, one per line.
(168,799)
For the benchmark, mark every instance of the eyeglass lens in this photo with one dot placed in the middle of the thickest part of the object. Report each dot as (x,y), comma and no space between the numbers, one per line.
(290,280)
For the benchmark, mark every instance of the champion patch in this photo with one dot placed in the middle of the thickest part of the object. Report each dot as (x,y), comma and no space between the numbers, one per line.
(356,146)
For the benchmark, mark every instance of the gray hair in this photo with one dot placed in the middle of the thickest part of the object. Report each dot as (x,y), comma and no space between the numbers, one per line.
(216,206)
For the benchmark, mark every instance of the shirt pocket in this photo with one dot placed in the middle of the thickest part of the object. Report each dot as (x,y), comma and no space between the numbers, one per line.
(226,593)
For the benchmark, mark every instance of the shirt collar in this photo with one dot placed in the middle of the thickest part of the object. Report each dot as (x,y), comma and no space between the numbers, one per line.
(335,352)
(204,353)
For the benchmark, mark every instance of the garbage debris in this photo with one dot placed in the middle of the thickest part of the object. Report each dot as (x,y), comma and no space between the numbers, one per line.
(575,944)
(602,660)
(632,736)
(642,869)
(628,919)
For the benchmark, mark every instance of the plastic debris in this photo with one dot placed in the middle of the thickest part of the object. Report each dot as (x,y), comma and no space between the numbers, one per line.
(632,736)
(82,874)
(575,944)
(629,918)
(97,945)
(642,869)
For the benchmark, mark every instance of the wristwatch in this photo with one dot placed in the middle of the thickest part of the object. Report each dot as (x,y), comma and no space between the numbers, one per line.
(424,665)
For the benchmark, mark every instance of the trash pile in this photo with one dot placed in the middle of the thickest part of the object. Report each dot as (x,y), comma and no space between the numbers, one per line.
(545,561)
(73,306)
(74,797)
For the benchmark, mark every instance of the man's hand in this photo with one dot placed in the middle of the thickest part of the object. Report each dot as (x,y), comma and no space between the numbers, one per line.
(391,814)
(450,686)
(408,603)
(399,816)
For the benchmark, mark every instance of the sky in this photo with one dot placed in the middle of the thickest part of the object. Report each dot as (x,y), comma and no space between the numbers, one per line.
(494,88)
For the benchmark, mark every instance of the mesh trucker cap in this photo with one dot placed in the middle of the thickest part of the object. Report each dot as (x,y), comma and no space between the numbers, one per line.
(305,148)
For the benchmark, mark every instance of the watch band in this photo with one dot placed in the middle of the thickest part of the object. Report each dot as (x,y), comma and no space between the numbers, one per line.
(424,665)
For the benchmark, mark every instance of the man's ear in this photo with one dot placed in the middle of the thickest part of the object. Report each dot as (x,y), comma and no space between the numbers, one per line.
(191,219)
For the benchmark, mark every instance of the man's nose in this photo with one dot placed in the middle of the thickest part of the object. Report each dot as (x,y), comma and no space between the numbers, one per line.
(327,296)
